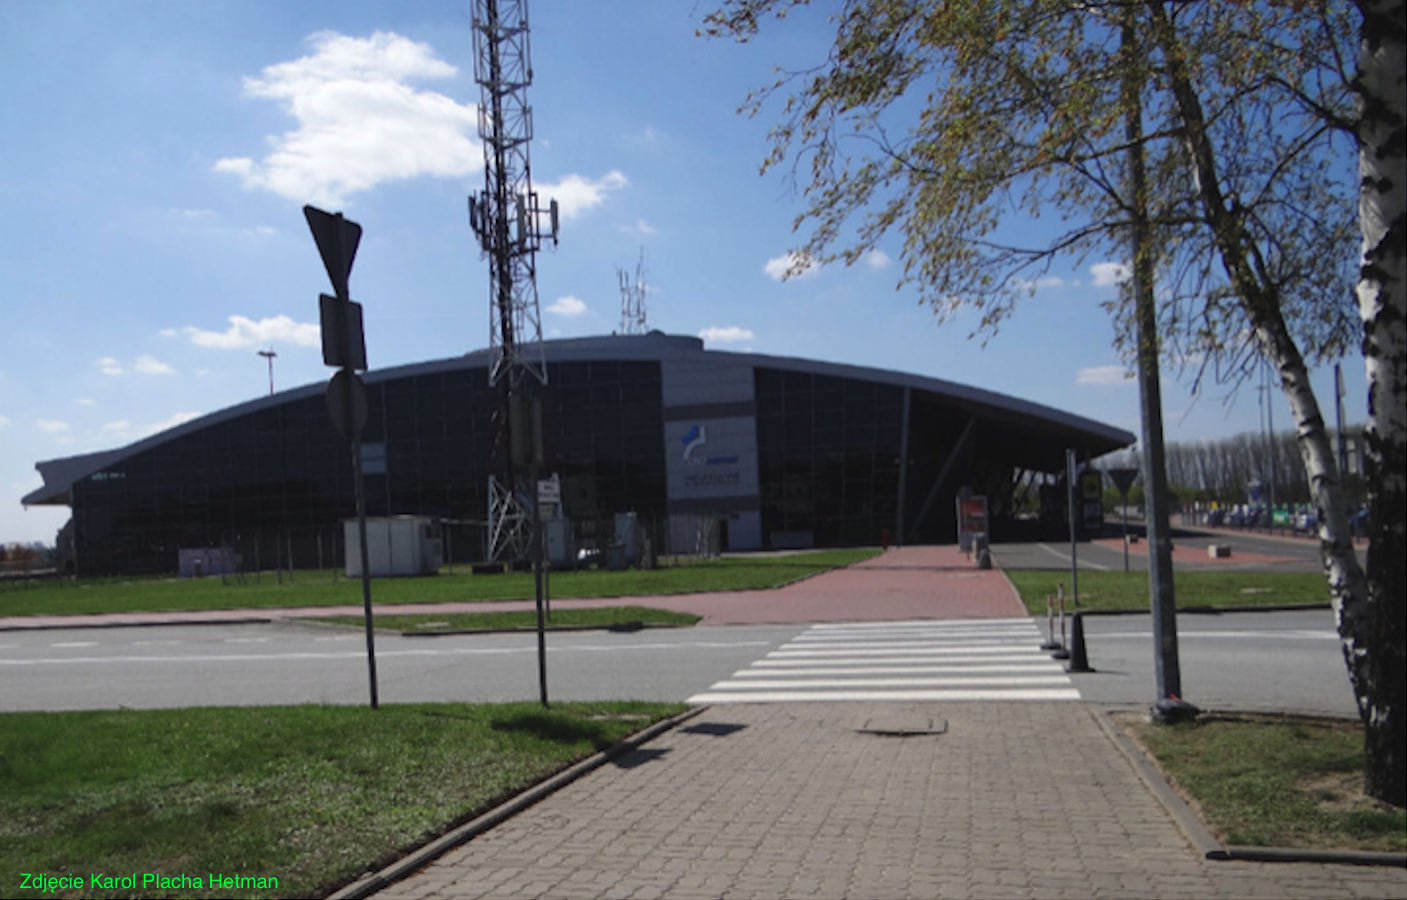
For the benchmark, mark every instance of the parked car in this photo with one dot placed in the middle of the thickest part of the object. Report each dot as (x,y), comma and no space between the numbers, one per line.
(1358,521)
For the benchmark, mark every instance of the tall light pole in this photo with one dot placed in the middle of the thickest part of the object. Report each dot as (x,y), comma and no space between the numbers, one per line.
(269,354)
(1170,707)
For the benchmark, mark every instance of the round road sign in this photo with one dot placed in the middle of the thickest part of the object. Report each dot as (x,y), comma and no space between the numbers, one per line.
(346,403)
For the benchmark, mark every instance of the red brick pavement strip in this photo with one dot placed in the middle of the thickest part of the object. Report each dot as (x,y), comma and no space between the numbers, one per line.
(903,583)
(1186,554)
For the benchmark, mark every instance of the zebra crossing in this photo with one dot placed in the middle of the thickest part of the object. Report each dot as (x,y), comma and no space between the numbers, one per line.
(970,659)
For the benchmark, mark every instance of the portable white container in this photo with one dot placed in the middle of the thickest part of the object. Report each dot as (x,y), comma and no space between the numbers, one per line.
(396,546)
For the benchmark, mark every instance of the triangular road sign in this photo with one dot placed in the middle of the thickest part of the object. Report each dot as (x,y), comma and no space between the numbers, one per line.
(337,239)
(1123,479)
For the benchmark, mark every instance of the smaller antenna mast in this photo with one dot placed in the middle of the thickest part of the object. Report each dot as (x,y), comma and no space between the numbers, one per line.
(632,299)
(269,354)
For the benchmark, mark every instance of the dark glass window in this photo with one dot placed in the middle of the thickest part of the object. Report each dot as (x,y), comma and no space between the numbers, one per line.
(821,440)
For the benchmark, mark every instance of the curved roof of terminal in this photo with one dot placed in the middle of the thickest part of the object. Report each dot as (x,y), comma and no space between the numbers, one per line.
(60,474)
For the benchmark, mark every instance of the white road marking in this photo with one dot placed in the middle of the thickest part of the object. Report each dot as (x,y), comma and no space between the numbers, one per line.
(361,654)
(1084,564)
(885,696)
(1238,635)
(885,661)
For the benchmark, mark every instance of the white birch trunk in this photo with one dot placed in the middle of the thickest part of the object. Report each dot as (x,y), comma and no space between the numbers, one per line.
(1348,587)
(1382,301)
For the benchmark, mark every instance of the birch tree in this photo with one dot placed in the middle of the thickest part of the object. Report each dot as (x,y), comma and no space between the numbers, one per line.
(1381,129)
(938,121)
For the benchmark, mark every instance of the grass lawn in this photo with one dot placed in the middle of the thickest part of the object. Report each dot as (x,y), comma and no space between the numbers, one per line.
(618,617)
(308,795)
(1192,589)
(1266,781)
(62,597)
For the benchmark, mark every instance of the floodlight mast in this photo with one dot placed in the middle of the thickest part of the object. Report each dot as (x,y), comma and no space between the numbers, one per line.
(509,224)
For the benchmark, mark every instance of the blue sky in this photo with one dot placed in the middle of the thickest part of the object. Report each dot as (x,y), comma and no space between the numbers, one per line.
(157,154)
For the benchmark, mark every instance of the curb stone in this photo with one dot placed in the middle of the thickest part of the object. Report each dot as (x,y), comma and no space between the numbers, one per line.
(139,623)
(1198,834)
(1201,837)
(423,856)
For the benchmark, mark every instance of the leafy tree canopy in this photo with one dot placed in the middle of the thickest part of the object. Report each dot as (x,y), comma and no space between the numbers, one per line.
(945,121)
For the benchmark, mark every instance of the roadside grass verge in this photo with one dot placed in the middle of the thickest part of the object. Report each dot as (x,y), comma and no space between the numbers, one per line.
(63,597)
(309,795)
(1192,589)
(1265,781)
(614,617)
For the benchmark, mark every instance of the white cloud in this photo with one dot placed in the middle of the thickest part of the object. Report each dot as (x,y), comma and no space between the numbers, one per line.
(640,227)
(52,426)
(568,306)
(86,401)
(1102,376)
(360,123)
(576,195)
(4,420)
(729,335)
(790,265)
(109,365)
(1109,274)
(1036,284)
(245,332)
(147,364)
(121,425)
(877,259)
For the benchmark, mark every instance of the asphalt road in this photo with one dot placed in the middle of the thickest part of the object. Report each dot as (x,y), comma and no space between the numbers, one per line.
(289,662)
(1264,661)
(1261,661)
(1249,551)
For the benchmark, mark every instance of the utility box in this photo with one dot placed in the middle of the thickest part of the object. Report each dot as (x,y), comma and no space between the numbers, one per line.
(396,546)
(200,562)
(627,535)
(561,549)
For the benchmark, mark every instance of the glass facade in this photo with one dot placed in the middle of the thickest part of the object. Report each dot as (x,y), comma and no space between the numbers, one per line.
(829,457)
(277,480)
(841,457)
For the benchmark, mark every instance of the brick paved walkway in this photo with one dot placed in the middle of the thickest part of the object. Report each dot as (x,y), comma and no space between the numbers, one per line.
(1014,800)
(905,583)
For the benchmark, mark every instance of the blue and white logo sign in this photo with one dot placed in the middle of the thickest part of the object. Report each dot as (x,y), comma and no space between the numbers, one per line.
(706,458)
(696,438)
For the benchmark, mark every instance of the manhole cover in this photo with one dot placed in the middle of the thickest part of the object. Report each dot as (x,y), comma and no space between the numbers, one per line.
(903,725)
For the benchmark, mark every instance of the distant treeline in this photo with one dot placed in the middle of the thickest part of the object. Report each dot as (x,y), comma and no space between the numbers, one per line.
(1225,470)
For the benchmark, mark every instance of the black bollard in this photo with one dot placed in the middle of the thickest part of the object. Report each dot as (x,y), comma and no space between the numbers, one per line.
(1079,657)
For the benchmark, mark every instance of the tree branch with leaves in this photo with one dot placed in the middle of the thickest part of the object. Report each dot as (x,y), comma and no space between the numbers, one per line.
(945,122)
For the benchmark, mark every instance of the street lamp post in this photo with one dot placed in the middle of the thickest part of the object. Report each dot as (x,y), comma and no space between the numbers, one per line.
(269,354)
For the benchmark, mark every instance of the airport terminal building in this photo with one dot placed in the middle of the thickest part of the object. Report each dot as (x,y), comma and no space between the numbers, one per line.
(774,452)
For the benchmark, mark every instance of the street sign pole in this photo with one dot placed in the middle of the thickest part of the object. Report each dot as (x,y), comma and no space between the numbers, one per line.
(1070,499)
(344,346)
(366,566)
(537,571)
(1123,480)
